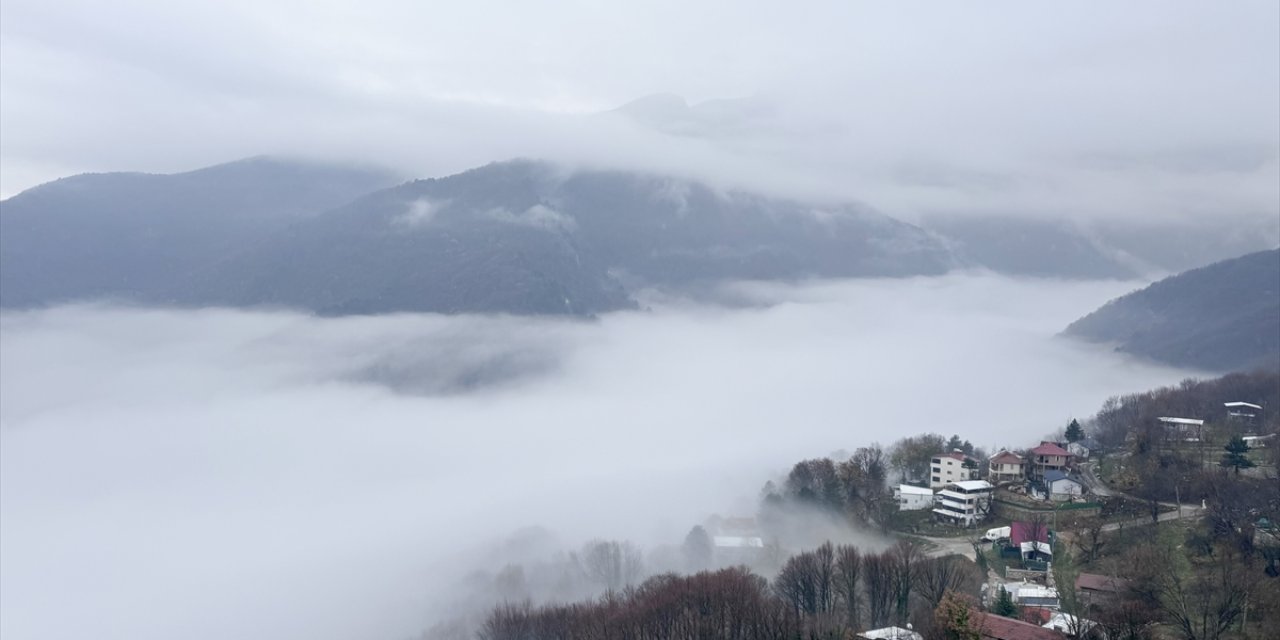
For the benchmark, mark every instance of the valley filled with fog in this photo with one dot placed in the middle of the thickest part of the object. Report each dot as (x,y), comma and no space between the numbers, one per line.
(231,473)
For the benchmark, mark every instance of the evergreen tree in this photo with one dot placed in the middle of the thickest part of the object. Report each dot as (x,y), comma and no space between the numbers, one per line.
(1004,605)
(1237,456)
(955,443)
(697,550)
(1074,431)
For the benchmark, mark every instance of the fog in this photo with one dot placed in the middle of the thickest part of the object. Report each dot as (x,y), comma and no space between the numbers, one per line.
(1150,111)
(266,474)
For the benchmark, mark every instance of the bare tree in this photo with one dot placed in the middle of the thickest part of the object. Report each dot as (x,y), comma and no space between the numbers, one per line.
(936,576)
(825,568)
(879,571)
(612,564)
(1204,605)
(907,556)
(848,578)
(1089,539)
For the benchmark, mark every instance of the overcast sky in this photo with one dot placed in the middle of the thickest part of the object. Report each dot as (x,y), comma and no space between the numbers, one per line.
(1084,108)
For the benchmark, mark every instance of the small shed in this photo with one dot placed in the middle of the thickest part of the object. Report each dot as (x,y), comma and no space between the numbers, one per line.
(1036,551)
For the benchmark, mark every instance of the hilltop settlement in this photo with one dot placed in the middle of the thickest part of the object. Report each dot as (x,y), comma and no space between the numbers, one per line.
(1154,518)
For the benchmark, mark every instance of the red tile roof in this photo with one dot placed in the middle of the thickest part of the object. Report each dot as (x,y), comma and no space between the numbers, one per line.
(1049,449)
(1020,532)
(1006,457)
(1000,628)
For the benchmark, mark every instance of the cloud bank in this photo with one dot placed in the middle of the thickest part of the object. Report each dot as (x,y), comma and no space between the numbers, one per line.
(215,474)
(1141,110)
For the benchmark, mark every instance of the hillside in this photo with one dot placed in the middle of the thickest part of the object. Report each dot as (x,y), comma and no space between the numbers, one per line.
(1060,247)
(143,236)
(515,237)
(1223,317)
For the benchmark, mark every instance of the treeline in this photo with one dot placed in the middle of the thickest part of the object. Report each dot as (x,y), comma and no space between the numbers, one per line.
(1201,399)
(832,591)
(1216,577)
(854,488)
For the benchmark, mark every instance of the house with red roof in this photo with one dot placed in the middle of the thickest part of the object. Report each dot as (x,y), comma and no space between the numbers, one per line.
(994,627)
(1006,466)
(1047,457)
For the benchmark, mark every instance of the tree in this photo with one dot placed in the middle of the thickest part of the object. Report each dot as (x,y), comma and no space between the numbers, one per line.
(1089,539)
(1004,605)
(957,618)
(879,571)
(1069,600)
(697,549)
(1237,455)
(1203,605)
(906,559)
(848,577)
(1075,432)
(935,577)
(612,564)
(955,443)
(806,581)
(911,456)
(863,478)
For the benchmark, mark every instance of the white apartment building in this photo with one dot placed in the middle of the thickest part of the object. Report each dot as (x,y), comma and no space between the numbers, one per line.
(946,468)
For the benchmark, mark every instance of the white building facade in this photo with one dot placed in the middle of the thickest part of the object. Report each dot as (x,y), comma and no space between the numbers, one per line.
(911,498)
(946,468)
(964,503)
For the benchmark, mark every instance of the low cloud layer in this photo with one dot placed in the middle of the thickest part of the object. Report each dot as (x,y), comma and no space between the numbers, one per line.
(215,474)
(1141,110)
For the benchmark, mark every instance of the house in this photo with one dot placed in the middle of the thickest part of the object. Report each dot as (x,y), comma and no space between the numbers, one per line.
(1060,487)
(890,633)
(1006,466)
(912,498)
(1259,441)
(1020,532)
(953,466)
(1243,411)
(964,503)
(994,627)
(729,550)
(1079,450)
(1184,429)
(1047,457)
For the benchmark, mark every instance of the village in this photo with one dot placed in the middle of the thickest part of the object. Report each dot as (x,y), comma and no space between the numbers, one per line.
(1153,519)
(1014,511)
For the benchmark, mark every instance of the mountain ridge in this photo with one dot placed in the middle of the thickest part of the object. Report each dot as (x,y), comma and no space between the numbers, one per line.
(1221,317)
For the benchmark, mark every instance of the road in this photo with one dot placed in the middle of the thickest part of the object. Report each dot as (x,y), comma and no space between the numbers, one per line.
(1092,482)
(964,545)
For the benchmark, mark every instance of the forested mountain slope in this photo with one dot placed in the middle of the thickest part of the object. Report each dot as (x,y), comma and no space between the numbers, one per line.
(1223,317)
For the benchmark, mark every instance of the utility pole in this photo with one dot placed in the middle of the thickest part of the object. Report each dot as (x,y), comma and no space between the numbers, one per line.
(1177,496)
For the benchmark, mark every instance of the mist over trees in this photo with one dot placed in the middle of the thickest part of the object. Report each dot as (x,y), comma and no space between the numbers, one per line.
(830,592)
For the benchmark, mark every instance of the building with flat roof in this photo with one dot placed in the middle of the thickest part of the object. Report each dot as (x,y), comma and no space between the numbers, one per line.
(964,503)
